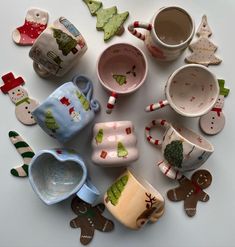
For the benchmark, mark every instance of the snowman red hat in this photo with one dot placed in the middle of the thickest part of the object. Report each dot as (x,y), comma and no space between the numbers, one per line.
(71,110)
(11,82)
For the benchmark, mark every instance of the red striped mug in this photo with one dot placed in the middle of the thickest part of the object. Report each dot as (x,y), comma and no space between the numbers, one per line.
(168,34)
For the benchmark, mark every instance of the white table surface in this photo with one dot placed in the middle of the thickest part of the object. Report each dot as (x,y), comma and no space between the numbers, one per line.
(25,221)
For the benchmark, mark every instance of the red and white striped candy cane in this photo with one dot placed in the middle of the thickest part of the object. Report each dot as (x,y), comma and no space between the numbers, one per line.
(111,102)
(168,170)
(156,106)
(132,29)
(157,122)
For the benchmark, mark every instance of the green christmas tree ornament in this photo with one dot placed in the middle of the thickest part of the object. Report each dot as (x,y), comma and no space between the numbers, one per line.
(121,150)
(120,79)
(99,136)
(173,153)
(93,6)
(103,16)
(50,121)
(115,191)
(65,42)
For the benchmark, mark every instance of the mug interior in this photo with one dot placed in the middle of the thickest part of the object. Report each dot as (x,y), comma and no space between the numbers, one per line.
(55,179)
(194,138)
(122,68)
(192,90)
(173,26)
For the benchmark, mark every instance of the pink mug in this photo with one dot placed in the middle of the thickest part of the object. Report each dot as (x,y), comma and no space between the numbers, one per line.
(121,69)
(168,34)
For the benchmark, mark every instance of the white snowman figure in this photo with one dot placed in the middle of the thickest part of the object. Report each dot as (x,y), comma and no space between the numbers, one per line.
(213,122)
(74,115)
(19,96)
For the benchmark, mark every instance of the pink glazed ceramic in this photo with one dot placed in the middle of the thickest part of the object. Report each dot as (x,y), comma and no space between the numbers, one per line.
(192,90)
(114,144)
(122,69)
(168,34)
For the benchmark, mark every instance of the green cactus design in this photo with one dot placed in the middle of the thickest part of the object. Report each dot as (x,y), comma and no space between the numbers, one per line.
(121,150)
(174,153)
(85,103)
(114,191)
(50,121)
(99,136)
(120,79)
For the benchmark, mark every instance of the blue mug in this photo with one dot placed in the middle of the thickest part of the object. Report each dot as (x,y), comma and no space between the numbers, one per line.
(56,174)
(68,109)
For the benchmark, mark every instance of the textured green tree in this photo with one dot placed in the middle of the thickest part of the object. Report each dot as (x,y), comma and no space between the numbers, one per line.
(121,150)
(99,136)
(173,153)
(50,121)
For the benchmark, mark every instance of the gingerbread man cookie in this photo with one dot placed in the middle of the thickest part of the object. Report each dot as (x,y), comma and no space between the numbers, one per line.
(191,191)
(89,218)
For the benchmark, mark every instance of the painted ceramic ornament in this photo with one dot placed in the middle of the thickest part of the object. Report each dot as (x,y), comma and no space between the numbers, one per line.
(213,122)
(114,144)
(133,201)
(168,33)
(56,174)
(203,49)
(192,91)
(68,110)
(35,23)
(121,69)
(182,149)
(57,49)
(89,218)
(191,191)
(19,96)
(25,151)
(108,20)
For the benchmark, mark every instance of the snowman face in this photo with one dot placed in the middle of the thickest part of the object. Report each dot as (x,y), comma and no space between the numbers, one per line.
(17,94)
(38,16)
(220,102)
(75,115)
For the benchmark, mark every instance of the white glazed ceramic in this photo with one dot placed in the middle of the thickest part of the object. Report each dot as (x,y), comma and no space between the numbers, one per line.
(57,174)
(168,34)
(192,90)
(123,60)
(133,201)
(57,49)
(181,148)
(114,144)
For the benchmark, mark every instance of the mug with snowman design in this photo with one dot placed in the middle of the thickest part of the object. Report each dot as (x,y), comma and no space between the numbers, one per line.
(68,109)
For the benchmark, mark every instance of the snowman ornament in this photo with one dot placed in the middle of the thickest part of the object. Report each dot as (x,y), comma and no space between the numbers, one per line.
(213,122)
(19,96)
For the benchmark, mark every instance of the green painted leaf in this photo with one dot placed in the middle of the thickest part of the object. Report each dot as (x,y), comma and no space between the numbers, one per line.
(121,150)
(99,136)
(120,79)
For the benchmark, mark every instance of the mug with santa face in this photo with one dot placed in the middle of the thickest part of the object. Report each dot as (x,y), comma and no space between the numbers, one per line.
(57,49)
(168,34)
(68,109)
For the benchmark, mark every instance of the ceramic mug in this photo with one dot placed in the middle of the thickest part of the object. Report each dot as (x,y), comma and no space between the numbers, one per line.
(121,69)
(68,109)
(168,34)
(114,144)
(192,91)
(56,174)
(57,49)
(133,201)
(182,149)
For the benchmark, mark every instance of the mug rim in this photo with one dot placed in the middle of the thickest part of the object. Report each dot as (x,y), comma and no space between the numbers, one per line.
(52,152)
(130,90)
(173,126)
(172,104)
(180,44)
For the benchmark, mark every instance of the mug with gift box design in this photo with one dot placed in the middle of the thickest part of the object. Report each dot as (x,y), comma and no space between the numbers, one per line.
(56,174)
(68,109)
(182,149)
(114,144)
(57,49)
(168,34)
(133,201)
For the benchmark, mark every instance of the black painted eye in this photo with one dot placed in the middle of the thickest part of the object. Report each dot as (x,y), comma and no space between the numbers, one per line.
(18,90)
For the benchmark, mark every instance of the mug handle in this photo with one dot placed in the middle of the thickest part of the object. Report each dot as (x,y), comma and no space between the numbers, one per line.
(144,25)
(157,122)
(87,90)
(88,192)
(111,102)
(156,106)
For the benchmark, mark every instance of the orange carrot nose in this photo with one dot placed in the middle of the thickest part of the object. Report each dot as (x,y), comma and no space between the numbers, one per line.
(18,94)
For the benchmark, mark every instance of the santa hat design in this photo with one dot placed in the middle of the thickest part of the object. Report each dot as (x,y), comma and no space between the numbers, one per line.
(71,110)
(11,82)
